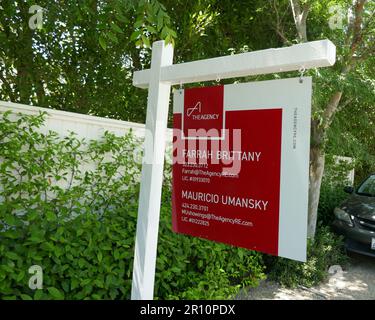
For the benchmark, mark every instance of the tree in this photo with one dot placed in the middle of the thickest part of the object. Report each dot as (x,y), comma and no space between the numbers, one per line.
(82,58)
(355,45)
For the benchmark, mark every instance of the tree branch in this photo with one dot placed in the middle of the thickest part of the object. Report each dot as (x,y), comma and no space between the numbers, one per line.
(340,106)
(357,28)
(357,25)
(370,51)
(331,109)
(300,18)
(279,27)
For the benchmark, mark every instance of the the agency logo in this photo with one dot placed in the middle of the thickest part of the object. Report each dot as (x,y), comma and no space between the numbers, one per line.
(196,113)
(197,107)
(204,112)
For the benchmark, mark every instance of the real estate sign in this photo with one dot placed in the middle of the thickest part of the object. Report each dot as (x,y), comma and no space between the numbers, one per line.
(241,163)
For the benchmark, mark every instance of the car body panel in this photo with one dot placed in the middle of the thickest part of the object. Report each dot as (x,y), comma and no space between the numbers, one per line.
(360,206)
(361,209)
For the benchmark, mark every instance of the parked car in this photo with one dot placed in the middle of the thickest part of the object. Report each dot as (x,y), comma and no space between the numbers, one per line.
(355,218)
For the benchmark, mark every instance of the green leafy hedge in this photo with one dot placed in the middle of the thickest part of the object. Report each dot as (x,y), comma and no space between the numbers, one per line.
(79,224)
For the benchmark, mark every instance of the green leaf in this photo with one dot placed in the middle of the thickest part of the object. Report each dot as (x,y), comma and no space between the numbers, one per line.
(168,40)
(138,24)
(146,41)
(12,234)
(151,29)
(102,42)
(135,35)
(12,255)
(100,257)
(38,294)
(26,297)
(121,18)
(33,215)
(51,216)
(20,276)
(164,32)
(172,33)
(85,282)
(87,289)
(69,256)
(65,285)
(11,220)
(112,37)
(116,28)
(176,270)
(36,239)
(55,293)
(160,20)
(74,284)
(99,283)
(81,263)
(240,254)
(60,231)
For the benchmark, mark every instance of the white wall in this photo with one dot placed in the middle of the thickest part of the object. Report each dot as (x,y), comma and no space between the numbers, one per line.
(349,161)
(85,126)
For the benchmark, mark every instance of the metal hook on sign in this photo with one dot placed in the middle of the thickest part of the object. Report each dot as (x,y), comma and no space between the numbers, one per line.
(301,72)
(218,79)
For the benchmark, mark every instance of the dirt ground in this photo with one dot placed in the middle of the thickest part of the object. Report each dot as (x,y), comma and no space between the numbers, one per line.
(355,282)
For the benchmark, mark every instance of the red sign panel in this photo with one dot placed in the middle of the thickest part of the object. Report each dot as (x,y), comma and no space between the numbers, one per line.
(226,183)
(203,109)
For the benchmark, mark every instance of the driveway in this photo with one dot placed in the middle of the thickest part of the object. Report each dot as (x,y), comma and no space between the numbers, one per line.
(356,281)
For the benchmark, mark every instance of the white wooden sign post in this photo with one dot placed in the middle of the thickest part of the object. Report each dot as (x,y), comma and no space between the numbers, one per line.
(158,80)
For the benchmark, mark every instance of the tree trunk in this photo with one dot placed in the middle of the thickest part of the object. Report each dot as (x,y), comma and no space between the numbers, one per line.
(24,56)
(317,160)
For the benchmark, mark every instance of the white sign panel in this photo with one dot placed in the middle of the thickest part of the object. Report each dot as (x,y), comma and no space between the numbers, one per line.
(263,205)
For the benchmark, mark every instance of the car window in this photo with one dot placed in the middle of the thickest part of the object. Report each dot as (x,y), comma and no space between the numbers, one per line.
(367,188)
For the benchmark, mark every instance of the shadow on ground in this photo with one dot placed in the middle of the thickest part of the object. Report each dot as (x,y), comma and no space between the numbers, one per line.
(355,282)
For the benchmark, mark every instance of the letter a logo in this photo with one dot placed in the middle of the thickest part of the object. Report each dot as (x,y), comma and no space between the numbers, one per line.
(36,20)
(36,281)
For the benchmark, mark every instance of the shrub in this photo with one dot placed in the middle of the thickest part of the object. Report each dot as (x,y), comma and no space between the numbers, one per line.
(193,268)
(330,197)
(66,205)
(326,250)
(70,206)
